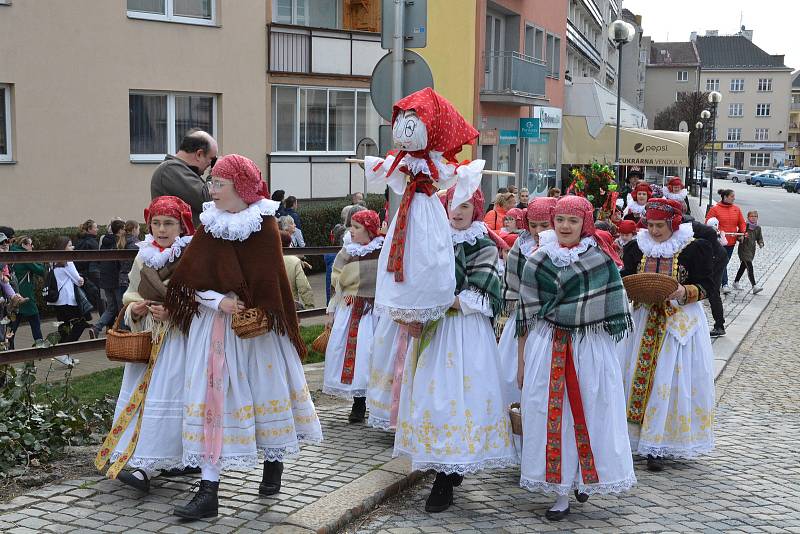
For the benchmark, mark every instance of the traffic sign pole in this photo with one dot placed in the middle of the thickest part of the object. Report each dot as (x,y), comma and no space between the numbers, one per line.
(398,56)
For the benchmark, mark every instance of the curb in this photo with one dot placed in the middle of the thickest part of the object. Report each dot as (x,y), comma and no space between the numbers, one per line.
(351,501)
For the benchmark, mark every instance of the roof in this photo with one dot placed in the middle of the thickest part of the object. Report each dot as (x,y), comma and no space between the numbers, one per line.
(672,54)
(735,52)
(796,80)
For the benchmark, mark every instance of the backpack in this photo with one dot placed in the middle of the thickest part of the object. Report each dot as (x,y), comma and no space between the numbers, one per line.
(50,286)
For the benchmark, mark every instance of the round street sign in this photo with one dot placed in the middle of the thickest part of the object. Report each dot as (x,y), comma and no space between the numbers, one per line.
(366,147)
(416,75)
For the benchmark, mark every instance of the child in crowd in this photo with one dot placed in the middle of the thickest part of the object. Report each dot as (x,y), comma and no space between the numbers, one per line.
(713,222)
(747,252)
(640,194)
(13,298)
(627,231)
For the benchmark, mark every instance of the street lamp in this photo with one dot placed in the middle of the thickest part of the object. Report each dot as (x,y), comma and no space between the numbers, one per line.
(699,136)
(704,116)
(620,32)
(714,98)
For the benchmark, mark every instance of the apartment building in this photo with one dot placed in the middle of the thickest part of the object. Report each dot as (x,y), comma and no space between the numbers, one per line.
(793,145)
(672,69)
(93,95)
(590,53)
(753,117)
(634,63)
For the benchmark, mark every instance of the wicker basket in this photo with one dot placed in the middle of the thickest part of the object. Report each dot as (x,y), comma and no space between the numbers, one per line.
(516,418)
(249,323)
(321,343)
(125,346)
(649,288)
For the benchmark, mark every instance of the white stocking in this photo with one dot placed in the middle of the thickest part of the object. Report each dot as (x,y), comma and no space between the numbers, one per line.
(561,504)
(210,472)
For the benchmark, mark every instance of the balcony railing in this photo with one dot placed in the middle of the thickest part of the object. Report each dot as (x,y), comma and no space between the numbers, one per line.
(514,74)
(795,106)
(302,50)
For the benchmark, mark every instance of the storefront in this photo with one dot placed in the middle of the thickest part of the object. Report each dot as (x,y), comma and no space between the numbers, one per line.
(753,156)
(542,152)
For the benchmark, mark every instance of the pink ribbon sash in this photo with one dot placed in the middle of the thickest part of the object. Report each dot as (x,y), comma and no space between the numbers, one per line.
(212,429)
(397,381)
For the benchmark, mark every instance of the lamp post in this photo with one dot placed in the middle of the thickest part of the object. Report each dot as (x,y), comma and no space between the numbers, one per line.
(698,127)
(620,32)
(714,98)
(704,116)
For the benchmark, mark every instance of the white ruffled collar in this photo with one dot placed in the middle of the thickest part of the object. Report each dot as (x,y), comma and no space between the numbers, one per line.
(236,226)
(636,208)
(680,196)
(559,255)
(652,249)
(355,249)
(420,165)
(152,256)
(527,244)
(469,235)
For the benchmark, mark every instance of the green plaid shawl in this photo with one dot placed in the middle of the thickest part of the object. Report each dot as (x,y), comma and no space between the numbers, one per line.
(476,269)
(515,263)
(584,296)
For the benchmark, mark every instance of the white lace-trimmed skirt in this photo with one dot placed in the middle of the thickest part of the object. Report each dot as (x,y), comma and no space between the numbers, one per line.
(507,347)
(429,265)
(381,372)
(334,354)
(604,410)
(679,418)
(267,406)
(159,445)
(451,417)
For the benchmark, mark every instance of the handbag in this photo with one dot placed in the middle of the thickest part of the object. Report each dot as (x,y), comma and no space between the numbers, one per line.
(127,346)
(82,302)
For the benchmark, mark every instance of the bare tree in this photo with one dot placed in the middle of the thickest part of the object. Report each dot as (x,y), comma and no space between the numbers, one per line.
(687,108)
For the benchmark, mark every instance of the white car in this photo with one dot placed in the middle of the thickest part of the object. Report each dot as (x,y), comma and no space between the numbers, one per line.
(741,176)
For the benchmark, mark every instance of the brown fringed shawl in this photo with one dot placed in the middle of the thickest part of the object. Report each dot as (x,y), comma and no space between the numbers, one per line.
(253,269)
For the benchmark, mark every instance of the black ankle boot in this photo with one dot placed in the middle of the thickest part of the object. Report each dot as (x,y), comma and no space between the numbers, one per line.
(359,410)
(655,464)
(441,496)
(271,479)
(455,479)
(203,504)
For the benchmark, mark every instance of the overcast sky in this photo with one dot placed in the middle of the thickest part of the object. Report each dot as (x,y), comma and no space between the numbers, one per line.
(775,23)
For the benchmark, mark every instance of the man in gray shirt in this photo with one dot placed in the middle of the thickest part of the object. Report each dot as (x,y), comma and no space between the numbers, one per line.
(181,175)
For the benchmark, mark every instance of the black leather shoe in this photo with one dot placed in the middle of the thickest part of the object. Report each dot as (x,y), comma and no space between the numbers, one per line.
(180,472)
(655,464)
(557,515)
(142,485)
(271,479)
(441,496)
(359,410)
(717,332)
(455,479)
(582,497)
(204,503)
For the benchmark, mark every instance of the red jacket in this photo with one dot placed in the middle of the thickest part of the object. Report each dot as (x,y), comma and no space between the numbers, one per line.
(730,219)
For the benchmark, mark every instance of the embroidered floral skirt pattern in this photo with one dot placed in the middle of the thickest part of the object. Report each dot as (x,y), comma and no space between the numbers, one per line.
(678,418)
(382,372)
(267,408)
(603,398)
(451,418)
(335,354)
(508,361)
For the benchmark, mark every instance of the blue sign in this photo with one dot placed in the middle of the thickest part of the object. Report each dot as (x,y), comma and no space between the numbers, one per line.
(529,128)
(544,139)
(509,137)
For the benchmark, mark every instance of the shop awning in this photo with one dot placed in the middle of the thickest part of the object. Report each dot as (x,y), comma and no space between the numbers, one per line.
(637,146)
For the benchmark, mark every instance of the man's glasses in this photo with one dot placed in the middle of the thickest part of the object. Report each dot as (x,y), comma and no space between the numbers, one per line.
(217,185)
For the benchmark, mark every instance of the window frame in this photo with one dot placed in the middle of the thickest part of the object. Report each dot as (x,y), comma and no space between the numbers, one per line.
(755,157)
(767,107)
(767,83)
(171,141)
(739,86)
(8,156)
(684,78)
(764,137)
(299,114)
(737,132)
(169,15)
(740,108)
(712,84)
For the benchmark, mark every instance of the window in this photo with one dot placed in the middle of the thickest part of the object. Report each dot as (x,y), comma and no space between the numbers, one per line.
(712,84)
(735,110)
(318,119)
(680,95)
(683,75)
(764,84)
(534,42)
(762,110)
(759,159)
(5,123)
(314,13)
(185,11)
(158,121)
(762,134)
(734,134)
(553,57)
(727,159)
(737,85)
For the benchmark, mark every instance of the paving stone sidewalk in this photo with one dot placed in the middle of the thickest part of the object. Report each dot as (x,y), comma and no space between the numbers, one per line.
(751,483)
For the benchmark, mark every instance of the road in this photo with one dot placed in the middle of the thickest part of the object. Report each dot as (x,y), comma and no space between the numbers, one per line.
(775,206)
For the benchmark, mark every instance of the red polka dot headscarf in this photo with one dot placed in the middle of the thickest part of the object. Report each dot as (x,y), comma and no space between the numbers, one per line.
(539,208)
(519,217)
(578,207)
(369,220)
(169,206)
(245,176)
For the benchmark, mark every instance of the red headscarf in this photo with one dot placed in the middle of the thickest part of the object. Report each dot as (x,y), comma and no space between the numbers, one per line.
(606,243)
(663,209)
(519,217)
(627,227)
(642,187)
(539,208)
(369,220)
(577,206)
(245,175)
(169,206)
(675,180)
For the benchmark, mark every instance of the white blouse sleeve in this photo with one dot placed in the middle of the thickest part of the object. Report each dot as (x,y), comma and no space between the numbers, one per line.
(209,298)
(473,302)
(72,272)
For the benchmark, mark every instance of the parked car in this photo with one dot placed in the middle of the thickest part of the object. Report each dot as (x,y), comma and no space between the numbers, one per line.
(767,178)
(741,176)
(722,172)
(701,176)
(791,182)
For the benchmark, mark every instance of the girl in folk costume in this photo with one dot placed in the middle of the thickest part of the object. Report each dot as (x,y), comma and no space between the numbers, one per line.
(537,218)
(572,312)
(676,191)
(146,434)
(350,316)
(451,417)
(635,210)
(244,397)
(668,362)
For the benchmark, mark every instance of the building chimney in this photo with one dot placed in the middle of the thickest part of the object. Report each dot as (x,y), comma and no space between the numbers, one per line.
(693,37)
(747,34)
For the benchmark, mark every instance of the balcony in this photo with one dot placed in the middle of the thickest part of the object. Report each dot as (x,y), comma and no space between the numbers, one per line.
(513,78)
(794,106)
(302,50)
(583,45)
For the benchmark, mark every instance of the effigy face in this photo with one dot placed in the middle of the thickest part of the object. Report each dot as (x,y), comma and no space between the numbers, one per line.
(409,132)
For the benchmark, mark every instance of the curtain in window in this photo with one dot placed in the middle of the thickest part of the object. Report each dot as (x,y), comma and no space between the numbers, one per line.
(198,9)
(323,14)
(282,11)
(148,6)
(3,119)
(313,119)
(284,105)
(193,112)
(342,121)
(148,124)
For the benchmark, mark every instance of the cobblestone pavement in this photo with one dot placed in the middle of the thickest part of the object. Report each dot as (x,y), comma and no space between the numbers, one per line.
(96,504)
(751,483)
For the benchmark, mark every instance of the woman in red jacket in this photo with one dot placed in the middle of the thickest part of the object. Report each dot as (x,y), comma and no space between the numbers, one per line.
(731,221)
